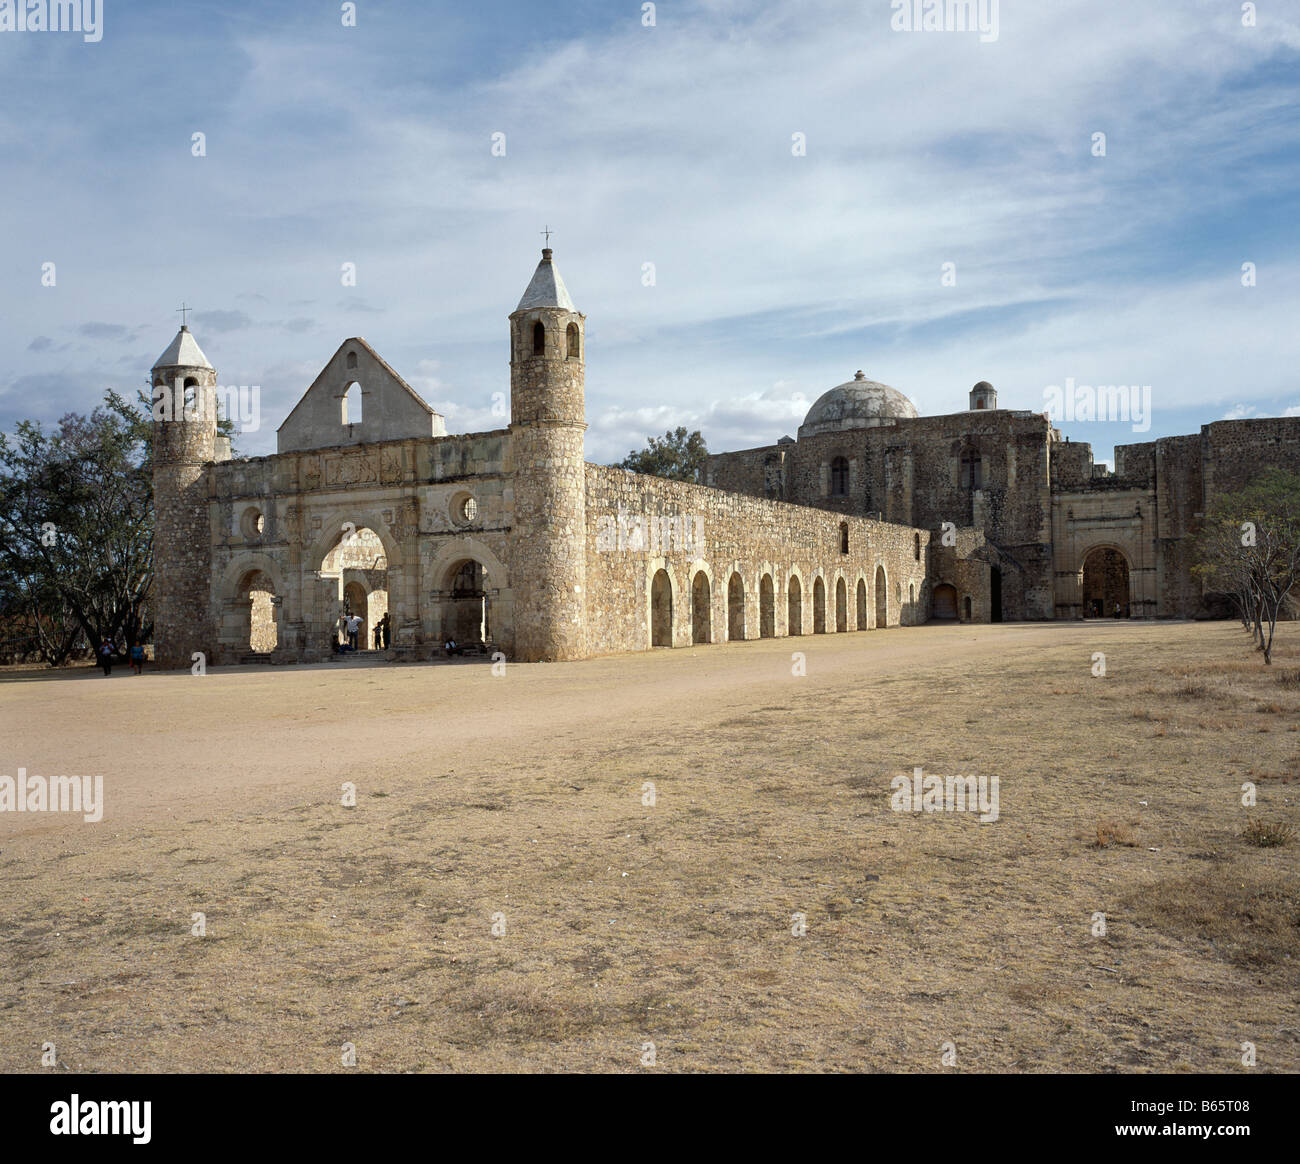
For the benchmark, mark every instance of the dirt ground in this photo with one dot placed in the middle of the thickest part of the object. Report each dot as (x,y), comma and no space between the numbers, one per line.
(516,802)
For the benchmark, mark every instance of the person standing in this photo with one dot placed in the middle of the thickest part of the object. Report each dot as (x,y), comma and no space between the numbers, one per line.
(354,627)
(137,657)
(106,656)
(384,626)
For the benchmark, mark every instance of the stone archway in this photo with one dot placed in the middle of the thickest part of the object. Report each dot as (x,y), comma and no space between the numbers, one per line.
(259,633)
(882,598)
(861,603)
(701,608)
(661,610)
(465,605)
(1104,583)
(354,578)
(841,606)
(794,607)
(819,607)
(356,602)
(766,608)
(943,603)
(735,608)
(252,619)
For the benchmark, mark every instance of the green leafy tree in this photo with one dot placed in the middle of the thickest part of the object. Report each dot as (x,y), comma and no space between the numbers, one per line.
(76,530)
(678,455)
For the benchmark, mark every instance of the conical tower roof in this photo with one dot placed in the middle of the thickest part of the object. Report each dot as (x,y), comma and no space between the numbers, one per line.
(547,289)
(183,352)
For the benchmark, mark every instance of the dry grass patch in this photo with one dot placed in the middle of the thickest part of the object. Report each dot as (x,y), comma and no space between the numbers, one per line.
(671,922)
(1114,832)
(1249,918)
(1268,834)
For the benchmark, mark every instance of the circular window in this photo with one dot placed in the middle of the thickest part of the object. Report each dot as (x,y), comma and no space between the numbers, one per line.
(463,508)
(252,523)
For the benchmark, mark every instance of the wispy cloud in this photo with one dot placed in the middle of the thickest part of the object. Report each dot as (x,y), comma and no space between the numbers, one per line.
(672,146)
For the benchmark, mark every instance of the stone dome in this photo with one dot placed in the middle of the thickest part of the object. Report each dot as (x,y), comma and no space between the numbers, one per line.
(859,403)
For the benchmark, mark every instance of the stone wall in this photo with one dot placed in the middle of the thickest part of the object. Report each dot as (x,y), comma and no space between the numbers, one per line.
(718,535)
(427,506)
(911,472)
(1234,451)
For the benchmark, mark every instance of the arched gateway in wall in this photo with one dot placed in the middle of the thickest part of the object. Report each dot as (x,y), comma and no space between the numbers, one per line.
(1105,583)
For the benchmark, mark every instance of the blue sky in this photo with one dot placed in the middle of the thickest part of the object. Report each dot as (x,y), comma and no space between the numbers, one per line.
(776,275)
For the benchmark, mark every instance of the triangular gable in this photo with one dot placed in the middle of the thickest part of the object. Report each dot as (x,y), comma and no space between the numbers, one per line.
(391,408)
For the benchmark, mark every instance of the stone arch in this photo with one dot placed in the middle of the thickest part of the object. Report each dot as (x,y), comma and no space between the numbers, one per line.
(321,601)
(332,531)
(861,603)
(539,338)
(661,608)
(841,606)
(356,600)
(574,342)
(735,607)
(819,606)
(464,597)
(882,597)
(250,618)
(1105,580)
(966,607)
(260,634)
(467,604)
(766,607)
(794,604)
(233,574)
(844,537)
(701,607)
(943,603)
(464,547)
(351,404)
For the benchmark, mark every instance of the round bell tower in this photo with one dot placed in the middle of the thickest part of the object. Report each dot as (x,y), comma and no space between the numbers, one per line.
(548,551)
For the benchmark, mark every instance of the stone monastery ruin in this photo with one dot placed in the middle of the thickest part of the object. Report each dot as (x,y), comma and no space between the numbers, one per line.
(873,517)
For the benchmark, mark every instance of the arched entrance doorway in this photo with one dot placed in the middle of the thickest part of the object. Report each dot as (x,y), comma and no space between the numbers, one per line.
(701,614)
(735,608)
(943,603)
(766,608)
(794,608)
(259,633)
(1105,583)
(358,566)
(882,598)
(841,606)
(862,604)
(661,610)
(466,616)
(819,607)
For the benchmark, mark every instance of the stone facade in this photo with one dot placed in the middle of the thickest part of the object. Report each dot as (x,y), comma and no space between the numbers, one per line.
(1046,512)
(510,541)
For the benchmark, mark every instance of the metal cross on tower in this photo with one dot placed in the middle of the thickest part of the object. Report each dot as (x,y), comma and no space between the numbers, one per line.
(547,232)
(183,311)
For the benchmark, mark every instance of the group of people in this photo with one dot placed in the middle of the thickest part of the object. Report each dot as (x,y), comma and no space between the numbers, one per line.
(107,652)
(349,631)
